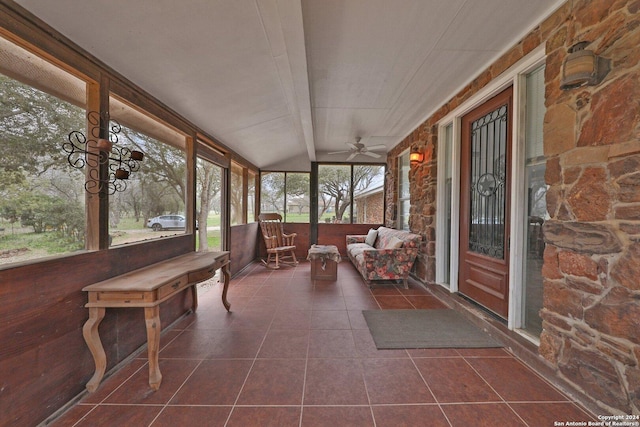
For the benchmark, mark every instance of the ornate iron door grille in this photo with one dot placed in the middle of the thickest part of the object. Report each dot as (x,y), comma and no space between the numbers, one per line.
(488,175)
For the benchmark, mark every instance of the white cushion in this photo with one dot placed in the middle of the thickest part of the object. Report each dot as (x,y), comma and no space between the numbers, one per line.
(372,235)
(394,243)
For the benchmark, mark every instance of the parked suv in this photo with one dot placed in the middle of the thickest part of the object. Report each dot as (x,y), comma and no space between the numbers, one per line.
(166,221)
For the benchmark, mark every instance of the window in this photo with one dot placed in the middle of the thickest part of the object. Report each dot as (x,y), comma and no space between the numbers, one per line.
(404,196)
(368,194)
(158,188)
(42,197)
(208,205)
(351,194)
(286,189)
(236,194)
(251,197)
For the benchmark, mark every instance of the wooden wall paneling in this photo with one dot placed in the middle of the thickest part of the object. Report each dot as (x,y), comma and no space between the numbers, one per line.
(243,243)
(42,316)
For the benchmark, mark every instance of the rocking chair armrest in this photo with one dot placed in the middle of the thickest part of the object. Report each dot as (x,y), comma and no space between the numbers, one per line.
(288,238)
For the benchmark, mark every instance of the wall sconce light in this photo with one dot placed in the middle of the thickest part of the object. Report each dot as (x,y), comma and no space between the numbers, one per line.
(416,157)
(96,151)
(583,67)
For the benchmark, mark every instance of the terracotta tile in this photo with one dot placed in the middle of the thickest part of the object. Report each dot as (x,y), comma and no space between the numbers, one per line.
(247,290)
(393,302)
(356,320)
(366,347)
(361,302)
(328,302)
(274,382)
(136,389)
(384,290)
(209,344)
(414,289)
(514,381)
(243,416)
(354,288)
(409,416)
(453,380)
(272,290)
(337,416)
(72,416)
(540,414)
(263,302)
(482,415)
(330,319)
(214,382)
(484,352)
(328,343)
(252,319)
(292,319)
(193,416)
(395,381)
(299,301)
(107,386)
(121,415)
(425,302)
(433,352)
(211,319)
(335,382)
(283,343)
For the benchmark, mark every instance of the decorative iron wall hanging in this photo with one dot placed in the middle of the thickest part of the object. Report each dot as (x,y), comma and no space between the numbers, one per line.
(97,153)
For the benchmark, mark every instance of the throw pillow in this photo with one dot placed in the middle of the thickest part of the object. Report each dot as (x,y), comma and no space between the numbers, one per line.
(394,243)
(372,235)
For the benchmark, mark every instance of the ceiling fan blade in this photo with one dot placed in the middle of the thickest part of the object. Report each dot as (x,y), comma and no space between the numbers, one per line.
(370,154)
(339,152)
(352,145)
(377,147)
(351,156)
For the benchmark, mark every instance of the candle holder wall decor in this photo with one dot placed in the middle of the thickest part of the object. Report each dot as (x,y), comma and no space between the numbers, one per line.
(94,152)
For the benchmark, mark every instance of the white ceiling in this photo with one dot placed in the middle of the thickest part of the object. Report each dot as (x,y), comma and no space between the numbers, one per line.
(283,82)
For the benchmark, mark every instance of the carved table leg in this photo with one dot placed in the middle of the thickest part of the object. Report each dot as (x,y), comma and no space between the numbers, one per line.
(152,319)
(226,275)
(92,337)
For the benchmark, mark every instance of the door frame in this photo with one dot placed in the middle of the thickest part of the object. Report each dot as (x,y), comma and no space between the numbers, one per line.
(513,76)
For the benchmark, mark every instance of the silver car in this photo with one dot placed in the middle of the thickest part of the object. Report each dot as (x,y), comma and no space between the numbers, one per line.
(163,222)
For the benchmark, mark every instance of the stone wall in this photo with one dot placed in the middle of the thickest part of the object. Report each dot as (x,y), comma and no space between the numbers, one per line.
(591,314)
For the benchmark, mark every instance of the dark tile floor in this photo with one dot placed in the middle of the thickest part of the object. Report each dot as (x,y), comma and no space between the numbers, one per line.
(295,353)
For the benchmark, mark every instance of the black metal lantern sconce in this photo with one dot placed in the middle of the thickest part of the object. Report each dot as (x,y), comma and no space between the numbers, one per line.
(95,152)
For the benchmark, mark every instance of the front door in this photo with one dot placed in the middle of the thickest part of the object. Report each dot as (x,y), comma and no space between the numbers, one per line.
(484,203)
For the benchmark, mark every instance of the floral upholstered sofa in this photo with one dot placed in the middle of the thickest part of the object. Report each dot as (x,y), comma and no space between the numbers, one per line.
(384,254)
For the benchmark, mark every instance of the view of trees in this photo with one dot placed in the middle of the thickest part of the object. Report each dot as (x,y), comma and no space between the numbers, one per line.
(334,190)
(335,186)
(39,191)
(209,185)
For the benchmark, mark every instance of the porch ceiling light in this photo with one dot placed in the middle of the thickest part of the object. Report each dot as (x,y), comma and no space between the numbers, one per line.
(582,67)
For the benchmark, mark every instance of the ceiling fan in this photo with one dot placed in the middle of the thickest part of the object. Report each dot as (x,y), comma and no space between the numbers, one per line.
(359,148)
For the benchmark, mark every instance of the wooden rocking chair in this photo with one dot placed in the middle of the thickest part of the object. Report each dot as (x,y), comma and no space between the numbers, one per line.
(280,247)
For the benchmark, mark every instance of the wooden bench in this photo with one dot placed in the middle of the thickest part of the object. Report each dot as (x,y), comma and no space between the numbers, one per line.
(147,287)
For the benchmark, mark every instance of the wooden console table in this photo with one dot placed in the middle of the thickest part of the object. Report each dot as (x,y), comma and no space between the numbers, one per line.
(147,287)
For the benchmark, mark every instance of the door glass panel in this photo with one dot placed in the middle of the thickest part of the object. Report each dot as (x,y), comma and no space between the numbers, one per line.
(488,174)
(448,141)
(536,209)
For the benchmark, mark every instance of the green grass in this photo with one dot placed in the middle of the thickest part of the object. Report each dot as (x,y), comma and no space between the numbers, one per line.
(50,242)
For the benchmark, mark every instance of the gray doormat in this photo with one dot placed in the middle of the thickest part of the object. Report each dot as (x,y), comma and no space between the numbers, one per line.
(436,328)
